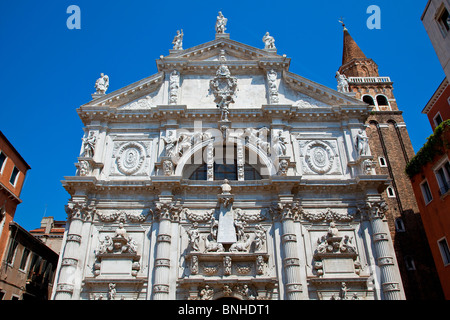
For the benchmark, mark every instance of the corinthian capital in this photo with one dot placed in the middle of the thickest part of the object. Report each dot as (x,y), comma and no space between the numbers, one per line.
(80,210)
(287,210)
(167,211)
(375,209)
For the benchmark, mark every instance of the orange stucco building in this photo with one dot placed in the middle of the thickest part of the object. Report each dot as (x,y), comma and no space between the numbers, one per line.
(13,169)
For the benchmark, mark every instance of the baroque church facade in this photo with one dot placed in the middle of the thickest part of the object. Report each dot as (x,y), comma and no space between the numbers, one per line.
(226,175)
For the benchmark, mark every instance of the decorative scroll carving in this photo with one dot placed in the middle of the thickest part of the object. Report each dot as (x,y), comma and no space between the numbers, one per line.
(224,87)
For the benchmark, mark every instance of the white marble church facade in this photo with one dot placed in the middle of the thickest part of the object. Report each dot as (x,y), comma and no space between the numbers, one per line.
(225,175)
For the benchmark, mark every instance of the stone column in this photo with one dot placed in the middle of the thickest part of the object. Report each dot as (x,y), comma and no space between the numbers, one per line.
(69,261)
(165,212)
(390,281)
(288,212)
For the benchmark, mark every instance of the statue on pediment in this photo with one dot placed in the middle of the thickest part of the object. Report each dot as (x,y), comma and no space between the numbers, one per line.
(102,84)
(269,41)
(221,22)
(178,40)
(342,82)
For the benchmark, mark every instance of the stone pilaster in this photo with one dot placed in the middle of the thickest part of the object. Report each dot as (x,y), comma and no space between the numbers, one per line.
(288,212)
(165,212)
(65,287)
(389,277)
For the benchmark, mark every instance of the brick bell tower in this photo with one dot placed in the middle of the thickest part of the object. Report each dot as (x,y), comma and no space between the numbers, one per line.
(391,148)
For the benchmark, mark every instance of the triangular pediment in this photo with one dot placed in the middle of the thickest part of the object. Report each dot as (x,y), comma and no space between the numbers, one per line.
(220,49)
(198,65)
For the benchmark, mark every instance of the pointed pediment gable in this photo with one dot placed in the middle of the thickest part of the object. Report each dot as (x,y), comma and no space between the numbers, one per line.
(198,65)
(208,55)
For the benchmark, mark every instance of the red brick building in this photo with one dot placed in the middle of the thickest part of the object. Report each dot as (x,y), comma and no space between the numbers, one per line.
(13,169)
(391,148)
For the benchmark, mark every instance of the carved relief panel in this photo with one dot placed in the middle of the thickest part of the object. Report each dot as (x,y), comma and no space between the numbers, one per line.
(130,158)
(319,157)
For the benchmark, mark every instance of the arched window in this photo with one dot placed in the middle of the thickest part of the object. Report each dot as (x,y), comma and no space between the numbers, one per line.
(382,101)
(369,100)
(225,171)
(226,168)
(399,225)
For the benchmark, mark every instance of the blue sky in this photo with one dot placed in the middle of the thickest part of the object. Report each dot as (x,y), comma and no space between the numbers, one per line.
(47,70)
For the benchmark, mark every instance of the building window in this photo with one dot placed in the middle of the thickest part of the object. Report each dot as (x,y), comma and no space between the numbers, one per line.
(382,162)
(426,192)
(437,119)
(14,175)
(409,262)
(399,225)
(25,255)
(12,251)
(443,21)
(445,251)
(382,101)
(368,100)
(2,161)
(443,177)
(2,294)
(390,192)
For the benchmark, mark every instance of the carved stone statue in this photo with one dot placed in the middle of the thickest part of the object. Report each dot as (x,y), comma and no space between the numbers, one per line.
(221,22)
(279,144)
(102,84)
(362,143)
(269,41)
(260,237)
(121,232)
(174,84)
(168,167)
(89,144)
(206,293)
(342,82)
(194,237)
(112,291)
(178,40)
(171,143)
(272,84)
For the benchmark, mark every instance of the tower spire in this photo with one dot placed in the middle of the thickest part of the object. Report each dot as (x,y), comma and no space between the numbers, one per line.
(354,61)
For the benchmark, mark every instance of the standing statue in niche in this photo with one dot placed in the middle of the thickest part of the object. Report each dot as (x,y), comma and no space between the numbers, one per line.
(171,142)
(221,22)
(89,144)
(362,143)
(342,82)
(279,144)
(174,84)
(269,41)
(178,40)
(194,237)
(102,84)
